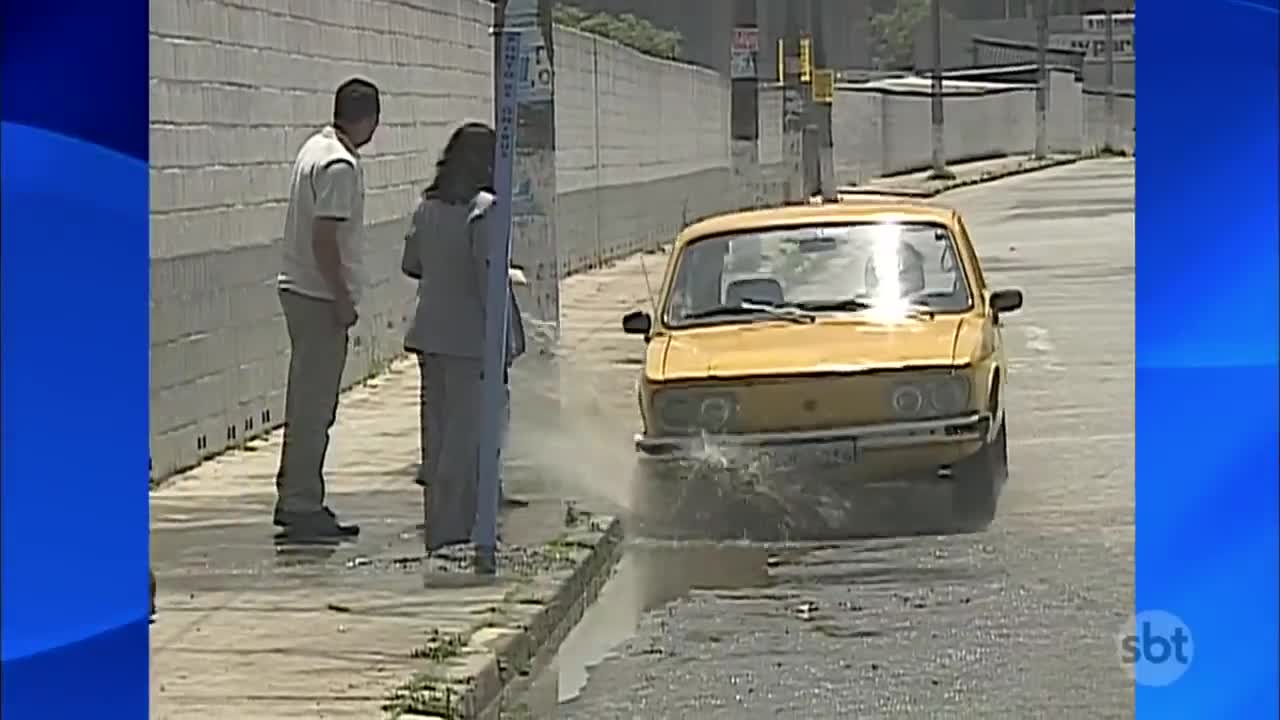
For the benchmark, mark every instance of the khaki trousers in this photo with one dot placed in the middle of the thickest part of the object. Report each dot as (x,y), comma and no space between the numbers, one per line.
(317,357)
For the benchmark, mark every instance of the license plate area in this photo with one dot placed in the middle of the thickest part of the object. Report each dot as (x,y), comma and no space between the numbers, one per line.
(822,455)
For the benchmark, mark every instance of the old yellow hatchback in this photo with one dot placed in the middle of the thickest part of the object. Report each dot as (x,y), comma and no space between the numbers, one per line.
(840,345)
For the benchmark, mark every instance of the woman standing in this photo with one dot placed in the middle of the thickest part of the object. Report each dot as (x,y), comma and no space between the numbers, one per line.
(445,251)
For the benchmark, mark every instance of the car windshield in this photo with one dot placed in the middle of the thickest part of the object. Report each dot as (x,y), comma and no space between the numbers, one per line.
(799,273)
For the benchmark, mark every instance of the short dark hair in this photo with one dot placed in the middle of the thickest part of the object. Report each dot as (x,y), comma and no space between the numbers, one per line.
(355,100)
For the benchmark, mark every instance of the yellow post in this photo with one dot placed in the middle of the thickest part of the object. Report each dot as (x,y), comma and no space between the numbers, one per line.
(806,59)
(824,86)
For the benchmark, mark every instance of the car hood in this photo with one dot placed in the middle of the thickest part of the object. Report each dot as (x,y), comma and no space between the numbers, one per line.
(829,345)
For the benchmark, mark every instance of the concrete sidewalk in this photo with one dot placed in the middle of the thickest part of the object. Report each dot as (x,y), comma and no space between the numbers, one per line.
(248,630)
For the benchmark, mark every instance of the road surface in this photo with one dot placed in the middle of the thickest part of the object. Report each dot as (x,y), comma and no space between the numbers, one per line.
(1017,622)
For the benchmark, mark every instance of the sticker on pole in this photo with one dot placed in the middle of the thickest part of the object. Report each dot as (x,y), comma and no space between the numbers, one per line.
(746,52)
(824,86)
(523,200)
(537,77)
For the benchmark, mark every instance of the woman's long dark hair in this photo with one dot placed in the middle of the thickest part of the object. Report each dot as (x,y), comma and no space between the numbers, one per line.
(466,165)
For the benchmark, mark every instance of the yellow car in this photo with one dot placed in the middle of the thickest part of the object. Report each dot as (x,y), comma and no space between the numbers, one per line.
(822,347)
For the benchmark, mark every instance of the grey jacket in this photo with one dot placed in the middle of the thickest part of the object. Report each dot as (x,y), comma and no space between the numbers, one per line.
(445,252)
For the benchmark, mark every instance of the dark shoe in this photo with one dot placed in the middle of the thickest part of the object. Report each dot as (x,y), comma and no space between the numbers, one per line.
(514,502)
(283,518)
(321,524)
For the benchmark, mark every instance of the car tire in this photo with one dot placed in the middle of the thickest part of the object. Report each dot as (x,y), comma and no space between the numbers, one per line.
(979,480)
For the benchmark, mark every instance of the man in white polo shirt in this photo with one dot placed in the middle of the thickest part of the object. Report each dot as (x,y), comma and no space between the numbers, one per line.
(320,283)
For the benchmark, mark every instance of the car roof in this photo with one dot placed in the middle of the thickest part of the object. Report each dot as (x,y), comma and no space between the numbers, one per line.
(851,207)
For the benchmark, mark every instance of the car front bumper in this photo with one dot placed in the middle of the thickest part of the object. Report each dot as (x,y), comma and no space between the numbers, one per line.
(887,448)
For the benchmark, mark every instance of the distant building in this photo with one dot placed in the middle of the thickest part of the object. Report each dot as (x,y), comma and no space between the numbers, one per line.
(1091,39)
(1075,40)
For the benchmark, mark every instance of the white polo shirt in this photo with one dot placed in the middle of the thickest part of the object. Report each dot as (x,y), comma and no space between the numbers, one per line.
(327,182)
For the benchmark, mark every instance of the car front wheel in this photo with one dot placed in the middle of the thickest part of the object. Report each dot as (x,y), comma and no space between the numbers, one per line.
(979,480)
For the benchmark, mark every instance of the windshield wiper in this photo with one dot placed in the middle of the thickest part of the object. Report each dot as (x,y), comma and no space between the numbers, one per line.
(920,312)
(792,312)
(832,305)
(748,309)
(857,305)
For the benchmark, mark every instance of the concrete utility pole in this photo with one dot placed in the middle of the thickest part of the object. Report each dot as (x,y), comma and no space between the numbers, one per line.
(745,102)
(1110,56)
(1042,78)
(809,133)
(940,171)
(534,245)
(793,107)
(524,180)
(822,111)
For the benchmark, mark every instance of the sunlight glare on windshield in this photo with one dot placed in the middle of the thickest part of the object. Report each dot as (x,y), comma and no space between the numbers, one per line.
(884,257)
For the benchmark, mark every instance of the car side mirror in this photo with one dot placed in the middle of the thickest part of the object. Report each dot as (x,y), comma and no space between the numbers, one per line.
(637,323)
(1006,301)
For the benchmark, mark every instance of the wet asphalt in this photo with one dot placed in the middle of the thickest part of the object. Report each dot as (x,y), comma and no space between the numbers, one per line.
(1016,622)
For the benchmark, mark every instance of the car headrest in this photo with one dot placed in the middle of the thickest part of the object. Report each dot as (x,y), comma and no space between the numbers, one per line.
(760,290)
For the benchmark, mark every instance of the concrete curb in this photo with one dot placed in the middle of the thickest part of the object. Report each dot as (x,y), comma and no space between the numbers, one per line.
(488,675)
(1023,169)
(899,185)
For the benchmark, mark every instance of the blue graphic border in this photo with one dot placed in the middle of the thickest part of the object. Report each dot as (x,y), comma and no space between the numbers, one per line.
(74,359)
(1206,349)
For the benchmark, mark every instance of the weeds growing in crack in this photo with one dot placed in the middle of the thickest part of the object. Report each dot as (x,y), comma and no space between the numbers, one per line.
(424,695)
(439,647)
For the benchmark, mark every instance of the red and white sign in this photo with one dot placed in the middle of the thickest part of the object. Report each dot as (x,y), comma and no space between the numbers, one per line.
(746,50)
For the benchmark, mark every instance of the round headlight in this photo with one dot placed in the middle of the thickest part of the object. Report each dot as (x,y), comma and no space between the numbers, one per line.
(714,414)
(685,412)
(908,400)
(676,412)
(950,395)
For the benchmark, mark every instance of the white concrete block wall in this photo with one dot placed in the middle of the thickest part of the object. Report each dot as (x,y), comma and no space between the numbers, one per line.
(636,137)
(770,125)
(976,126)
(905,116)
(857,134)
(1066,113)
(882,133)
(1095,122)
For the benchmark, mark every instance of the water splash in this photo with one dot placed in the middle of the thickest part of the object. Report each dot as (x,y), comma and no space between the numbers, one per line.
(573,420)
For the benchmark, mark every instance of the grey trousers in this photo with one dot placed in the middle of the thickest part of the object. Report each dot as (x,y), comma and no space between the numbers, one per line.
(317,356)
(451,427)
(450,407)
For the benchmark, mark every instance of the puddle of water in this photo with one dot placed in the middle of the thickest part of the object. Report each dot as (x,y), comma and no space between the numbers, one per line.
(916,571)
(649,576)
